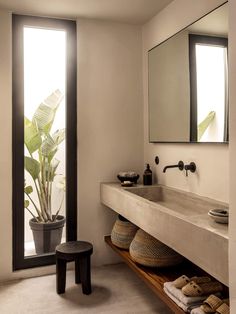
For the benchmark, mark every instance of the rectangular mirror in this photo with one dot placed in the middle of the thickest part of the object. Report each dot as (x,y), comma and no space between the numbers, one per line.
(188,83)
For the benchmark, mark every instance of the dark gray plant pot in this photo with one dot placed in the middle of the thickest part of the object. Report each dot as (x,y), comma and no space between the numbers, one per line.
(47,235)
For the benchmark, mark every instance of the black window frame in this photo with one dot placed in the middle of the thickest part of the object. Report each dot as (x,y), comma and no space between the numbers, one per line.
(18,22)
(195,39)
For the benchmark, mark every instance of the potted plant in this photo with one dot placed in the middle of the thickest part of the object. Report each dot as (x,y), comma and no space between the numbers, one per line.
(41,164)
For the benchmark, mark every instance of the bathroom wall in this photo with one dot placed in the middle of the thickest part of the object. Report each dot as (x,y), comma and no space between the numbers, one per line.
(212,176)
(109,129)
(232,155)
(5,144)
(109,120)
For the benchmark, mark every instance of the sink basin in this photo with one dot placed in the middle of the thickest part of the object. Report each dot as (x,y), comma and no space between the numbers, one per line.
(183,203)
(177,218)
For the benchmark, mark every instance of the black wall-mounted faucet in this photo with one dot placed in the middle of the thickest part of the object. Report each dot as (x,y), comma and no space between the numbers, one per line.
(191,167)
(180,165)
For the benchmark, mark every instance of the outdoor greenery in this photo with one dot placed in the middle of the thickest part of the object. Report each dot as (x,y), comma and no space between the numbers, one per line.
(41,163)
(203,126)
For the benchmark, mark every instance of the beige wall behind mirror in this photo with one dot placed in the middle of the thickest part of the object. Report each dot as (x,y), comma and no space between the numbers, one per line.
(188,83)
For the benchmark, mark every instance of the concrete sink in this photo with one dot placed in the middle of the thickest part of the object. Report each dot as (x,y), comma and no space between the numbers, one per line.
(177,218)
(180,202)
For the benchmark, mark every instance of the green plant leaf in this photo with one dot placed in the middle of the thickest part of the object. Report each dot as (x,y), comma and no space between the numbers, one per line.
(202,127)
(51,155)
(45,113)
(28,189)
(32,136)
(51,143)
(48,145)
(53,167)
(32,166)
(59,136)
(26,203)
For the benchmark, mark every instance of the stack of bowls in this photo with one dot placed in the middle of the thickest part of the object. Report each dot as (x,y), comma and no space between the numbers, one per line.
(219,215)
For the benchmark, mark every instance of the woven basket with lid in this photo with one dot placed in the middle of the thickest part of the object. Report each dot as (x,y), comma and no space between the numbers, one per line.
(123,233)
(148,251)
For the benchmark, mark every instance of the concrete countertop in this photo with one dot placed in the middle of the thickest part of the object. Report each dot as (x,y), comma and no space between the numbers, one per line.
(181,222)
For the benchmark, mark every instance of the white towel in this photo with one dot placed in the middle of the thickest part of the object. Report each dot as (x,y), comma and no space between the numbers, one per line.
(178,294)
(186,308)
(197,310)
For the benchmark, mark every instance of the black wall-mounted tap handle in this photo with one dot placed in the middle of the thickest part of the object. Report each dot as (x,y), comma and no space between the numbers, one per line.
(191,167)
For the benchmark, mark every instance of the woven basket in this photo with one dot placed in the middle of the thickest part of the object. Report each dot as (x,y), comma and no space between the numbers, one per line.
(148,251)
(123,233)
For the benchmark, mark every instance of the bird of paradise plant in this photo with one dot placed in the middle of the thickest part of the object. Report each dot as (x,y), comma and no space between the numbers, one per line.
(41,163)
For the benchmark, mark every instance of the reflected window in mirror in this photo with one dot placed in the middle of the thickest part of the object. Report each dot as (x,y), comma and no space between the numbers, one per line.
(208,88)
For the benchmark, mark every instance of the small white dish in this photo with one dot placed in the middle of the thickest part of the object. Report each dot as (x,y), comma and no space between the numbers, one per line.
(127,183)
(222,212)
(219,219)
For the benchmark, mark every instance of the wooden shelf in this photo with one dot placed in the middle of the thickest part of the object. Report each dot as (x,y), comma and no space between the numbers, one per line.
(155,278)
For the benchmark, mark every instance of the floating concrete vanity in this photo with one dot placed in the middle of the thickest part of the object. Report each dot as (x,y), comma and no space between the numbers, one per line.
(177,218)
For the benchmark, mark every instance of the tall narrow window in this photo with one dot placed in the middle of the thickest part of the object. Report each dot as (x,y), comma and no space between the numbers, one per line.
(44,138)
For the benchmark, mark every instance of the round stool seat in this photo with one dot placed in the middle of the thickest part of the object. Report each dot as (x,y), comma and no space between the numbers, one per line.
(73,248)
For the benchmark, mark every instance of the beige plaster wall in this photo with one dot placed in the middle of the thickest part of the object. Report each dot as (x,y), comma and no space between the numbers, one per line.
(5,144)
(110,136)
(232,155)
(212,176)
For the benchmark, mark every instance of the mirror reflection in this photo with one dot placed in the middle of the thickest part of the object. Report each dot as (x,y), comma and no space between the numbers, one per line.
(188,83)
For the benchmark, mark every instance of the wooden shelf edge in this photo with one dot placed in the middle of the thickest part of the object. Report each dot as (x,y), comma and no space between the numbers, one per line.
(153,279)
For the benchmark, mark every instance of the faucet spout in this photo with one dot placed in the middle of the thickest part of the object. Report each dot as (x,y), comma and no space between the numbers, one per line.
(180,165)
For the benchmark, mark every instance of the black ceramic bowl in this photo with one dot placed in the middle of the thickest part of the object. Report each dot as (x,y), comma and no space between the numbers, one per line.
(133,179)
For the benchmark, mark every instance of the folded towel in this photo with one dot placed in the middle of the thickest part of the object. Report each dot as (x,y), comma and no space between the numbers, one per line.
(178,294)
(186,308)
(197,310)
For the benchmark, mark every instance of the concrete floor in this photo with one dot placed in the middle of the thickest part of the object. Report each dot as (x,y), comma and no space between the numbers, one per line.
(116,290)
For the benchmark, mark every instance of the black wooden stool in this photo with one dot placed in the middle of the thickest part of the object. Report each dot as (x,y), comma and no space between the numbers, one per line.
(80,252)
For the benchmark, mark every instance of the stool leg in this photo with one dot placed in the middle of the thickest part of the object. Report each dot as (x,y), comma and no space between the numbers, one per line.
(77,271)
(85,274)
(61,275)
